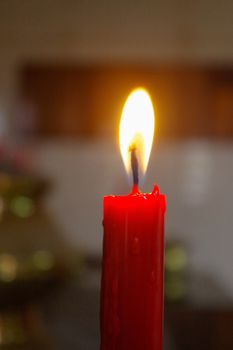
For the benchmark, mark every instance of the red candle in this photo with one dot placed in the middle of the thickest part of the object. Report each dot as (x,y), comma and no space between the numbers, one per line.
(133,250)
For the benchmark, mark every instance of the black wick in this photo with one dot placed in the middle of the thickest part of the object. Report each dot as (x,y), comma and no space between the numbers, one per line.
(134,165)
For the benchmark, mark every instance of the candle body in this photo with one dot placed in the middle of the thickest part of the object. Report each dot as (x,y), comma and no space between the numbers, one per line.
(132,272)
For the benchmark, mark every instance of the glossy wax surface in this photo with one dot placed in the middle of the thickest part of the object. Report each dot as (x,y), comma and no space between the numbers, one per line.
(132,272)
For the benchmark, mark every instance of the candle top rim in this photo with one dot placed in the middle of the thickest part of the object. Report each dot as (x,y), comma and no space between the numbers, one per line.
(139,200)
(135,193)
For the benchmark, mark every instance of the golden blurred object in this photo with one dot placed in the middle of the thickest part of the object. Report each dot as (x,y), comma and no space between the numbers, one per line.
(11,329)
(2,207)
(8,267)
(22,329)
(5,183)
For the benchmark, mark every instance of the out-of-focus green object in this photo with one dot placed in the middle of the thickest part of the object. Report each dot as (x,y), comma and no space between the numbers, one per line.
(175,272)
(20,194)
(28,185)
(22,206)
(34,258)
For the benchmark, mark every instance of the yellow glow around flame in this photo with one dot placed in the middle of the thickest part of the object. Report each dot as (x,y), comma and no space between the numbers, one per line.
(137,129)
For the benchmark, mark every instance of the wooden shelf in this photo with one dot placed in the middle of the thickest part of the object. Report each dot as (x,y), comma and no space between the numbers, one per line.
(86,101)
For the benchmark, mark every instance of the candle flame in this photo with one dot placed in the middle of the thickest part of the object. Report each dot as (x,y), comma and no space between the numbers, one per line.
(137,129)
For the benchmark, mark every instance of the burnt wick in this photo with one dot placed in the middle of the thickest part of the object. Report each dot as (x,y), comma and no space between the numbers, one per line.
(134,165)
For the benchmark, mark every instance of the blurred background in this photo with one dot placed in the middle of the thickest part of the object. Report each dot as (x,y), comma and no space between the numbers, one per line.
(66,68)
